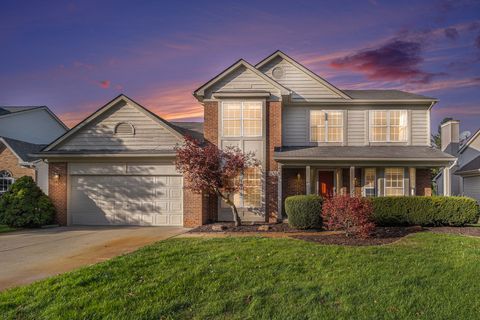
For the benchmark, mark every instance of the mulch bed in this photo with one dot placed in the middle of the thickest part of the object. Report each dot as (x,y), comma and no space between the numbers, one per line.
(230,227)
(383,235)
(466,231)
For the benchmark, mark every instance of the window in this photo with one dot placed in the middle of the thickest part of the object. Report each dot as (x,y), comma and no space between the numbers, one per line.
(388,126)
(242,118)
(252,188)
(369,187)
(394,181)
(6,180)
(124,128)
(326,126)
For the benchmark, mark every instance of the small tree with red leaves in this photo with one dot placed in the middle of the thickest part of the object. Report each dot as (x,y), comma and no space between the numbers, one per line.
(351,214)
(206,168)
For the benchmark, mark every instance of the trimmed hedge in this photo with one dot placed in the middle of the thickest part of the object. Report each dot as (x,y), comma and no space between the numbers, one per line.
(304,211)
(425,211)
(25,205)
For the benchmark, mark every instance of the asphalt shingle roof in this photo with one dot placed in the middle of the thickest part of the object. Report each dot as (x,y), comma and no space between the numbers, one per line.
(23,149)
(7,110)
(470,166)
(385,95)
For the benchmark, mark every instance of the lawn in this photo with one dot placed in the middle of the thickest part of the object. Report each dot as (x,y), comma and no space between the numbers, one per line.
(4,228)
(425,275)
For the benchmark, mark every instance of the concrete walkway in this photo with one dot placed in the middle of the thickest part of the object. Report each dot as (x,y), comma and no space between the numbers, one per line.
(30,255)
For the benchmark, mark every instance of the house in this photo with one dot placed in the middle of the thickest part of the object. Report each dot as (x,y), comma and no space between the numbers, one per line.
(24,131)
(116,167)
(463,176)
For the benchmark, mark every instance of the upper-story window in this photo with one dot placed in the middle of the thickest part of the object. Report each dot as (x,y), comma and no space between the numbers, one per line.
(388,125)
(326,126)
(242,118)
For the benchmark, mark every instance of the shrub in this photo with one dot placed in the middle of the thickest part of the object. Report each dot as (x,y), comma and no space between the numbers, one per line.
(25,205)
(304,211)
(351,214)
(425,211)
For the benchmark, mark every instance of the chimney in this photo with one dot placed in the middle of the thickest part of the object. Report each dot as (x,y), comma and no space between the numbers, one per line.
(450,135)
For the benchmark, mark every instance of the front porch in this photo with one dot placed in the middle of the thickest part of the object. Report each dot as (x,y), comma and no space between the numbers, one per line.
(360,180)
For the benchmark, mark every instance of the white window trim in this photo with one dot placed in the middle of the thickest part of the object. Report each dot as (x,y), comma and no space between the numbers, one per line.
(370,126)
(8,177)
(242,119)
(374,188)
(402,180)
(325,126)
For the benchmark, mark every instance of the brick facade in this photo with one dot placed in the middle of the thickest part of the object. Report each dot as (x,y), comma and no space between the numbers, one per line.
(273,139)
(10,163)
(211,121)
(57,189)
(423,182)
(195,209)
(293,183)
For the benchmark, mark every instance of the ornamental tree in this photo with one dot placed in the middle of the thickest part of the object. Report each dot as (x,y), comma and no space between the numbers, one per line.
(206,168)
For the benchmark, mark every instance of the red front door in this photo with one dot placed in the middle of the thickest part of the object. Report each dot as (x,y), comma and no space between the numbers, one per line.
(325,183)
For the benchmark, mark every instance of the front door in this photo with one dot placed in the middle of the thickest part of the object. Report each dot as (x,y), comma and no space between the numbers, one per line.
(325,183)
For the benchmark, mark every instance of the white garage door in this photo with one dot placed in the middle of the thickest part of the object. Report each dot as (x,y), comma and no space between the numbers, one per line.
(471,187)
(155,200)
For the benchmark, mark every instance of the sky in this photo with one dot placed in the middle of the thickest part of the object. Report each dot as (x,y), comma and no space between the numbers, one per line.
(75,56)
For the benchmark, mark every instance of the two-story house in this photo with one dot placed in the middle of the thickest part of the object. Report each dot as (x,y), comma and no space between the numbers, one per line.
(26,130)
(116,166)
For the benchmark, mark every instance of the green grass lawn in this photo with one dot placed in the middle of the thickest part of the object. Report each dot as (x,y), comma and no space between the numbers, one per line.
(425,275)
(4,228)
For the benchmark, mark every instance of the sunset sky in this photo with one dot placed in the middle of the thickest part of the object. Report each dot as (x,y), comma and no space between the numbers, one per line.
(76,56)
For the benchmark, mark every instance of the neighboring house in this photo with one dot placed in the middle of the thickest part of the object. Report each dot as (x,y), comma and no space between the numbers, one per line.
(23,131)
(116,167)
(463,177)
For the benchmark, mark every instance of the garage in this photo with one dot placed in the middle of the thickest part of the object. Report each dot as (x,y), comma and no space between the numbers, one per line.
(471,187)
(125,194)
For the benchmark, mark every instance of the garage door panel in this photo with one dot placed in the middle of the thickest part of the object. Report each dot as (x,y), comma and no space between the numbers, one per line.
(126,200)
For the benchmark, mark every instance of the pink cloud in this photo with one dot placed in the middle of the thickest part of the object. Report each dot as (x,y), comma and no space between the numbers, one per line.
(104,84)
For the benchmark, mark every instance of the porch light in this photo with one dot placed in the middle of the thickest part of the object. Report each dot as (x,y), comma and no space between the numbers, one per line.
(56,176)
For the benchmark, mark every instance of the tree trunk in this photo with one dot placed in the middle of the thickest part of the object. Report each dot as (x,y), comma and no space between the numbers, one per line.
(236,216)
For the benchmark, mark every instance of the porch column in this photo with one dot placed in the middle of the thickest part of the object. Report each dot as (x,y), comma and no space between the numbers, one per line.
(308,177)
(352,180)
(447,188)
(279,191)
(338,180)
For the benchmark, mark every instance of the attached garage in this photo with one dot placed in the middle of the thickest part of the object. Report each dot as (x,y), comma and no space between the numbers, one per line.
(125,194)
(471,187)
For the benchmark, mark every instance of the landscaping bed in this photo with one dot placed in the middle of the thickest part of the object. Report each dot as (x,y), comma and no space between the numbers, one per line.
(257,227)
(382,235)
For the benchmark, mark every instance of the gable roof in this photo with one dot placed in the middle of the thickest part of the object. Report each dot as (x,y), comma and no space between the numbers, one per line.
(199,93)
(472,167)
(6,111)
(312,74)
(193,129)
(21,149)
(173,129)
(469,141)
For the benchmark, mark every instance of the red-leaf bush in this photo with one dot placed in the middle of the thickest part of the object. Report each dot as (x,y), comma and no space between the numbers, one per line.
(354,215)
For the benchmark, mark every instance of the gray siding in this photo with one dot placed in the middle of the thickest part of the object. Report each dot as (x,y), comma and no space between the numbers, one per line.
(419,124)
(471,187)
(242,79)
(99,135)
(357,131)
(304,87)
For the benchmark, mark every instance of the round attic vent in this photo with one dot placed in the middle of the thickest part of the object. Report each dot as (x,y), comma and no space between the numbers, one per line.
(277,72)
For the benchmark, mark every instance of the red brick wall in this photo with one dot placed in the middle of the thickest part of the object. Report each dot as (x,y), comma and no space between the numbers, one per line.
(9,162)
(273,139)
(57,189)
(211,121)
(423,182)
(291,185)
(195,209)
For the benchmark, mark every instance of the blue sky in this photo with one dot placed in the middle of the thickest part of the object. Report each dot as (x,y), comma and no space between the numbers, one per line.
(74,56)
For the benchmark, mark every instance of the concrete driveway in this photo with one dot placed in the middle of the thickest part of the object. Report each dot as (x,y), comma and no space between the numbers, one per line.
(27,256)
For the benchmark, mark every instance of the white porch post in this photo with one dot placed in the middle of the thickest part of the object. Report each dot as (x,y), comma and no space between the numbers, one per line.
(308,183)
(338,180)
(447,188)
(279,191)
(352,180)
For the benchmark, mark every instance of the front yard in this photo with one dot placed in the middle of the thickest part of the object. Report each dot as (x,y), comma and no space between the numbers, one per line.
(424,275)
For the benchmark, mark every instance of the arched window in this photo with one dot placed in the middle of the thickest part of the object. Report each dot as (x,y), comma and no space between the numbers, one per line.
(6,181)
(125,129)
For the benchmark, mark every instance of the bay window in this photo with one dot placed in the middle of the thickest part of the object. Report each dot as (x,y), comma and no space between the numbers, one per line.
(388,125)
(326,126)
(394,181)
(242,118)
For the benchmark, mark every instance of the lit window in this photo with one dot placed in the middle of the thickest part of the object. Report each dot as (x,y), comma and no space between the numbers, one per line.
(388,126)
(326,126)
(394,182)
(242,118)
(6,180)
(252,188)
(370,177)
